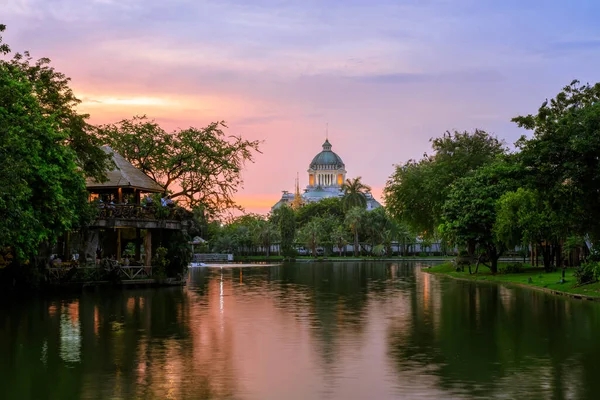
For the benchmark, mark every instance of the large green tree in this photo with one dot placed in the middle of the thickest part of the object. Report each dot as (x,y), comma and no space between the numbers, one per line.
(58,102)
(198,166)
(562,155)
(42,189)
(418,189)
(525,217)
(469,213)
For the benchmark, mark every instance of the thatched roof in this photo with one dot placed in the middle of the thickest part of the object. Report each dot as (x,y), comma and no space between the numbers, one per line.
(124,175)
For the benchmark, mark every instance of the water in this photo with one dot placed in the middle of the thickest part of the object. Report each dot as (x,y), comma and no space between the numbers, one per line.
(303,331)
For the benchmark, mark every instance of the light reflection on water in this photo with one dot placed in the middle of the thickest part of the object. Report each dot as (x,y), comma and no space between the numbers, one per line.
(305,331)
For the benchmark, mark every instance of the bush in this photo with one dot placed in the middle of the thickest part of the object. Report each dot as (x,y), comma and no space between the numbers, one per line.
(160,263)
(587,272)
(513,268)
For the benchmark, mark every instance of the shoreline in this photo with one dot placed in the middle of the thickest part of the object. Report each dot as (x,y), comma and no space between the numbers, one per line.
(476,279)
(351,259)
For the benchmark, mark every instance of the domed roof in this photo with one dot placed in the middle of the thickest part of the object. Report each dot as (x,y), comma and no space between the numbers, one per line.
(319,193)
(327,157)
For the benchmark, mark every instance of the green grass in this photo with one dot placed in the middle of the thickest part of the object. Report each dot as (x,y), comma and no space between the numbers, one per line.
(539,278)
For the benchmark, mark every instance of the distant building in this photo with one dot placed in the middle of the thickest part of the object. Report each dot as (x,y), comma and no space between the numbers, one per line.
(326,175)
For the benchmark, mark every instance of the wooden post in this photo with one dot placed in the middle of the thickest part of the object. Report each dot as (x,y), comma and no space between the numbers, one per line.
(120,195)
(148,247)
(138,243)
(67,246)
(119,242)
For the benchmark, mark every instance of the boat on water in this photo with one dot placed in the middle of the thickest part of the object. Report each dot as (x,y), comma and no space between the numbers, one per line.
(198,264)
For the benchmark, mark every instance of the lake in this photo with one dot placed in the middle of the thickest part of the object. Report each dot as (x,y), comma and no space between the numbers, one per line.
(302,331)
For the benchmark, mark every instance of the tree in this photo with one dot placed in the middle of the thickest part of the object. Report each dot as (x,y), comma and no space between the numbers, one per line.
(469,213)
(311,234)
(562,155)
(524,216)
(264,233)
(339,238)
(57,101)
(354,193)
(375,225)
(354,219)
(417,191)
(285,219)
(331,207)
(200,166)
(43,192)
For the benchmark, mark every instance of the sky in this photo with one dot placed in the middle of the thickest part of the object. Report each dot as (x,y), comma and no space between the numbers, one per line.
(384,76)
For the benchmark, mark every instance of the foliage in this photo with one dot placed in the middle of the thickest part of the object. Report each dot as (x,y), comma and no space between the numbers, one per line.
(354,193)
(563,153)
(285,218)
(180,253)
(264,233)
(57,102)
(587,272)
(511,268)
(417,191)
(470,210)
(160,263)
(339,238)
(525,216)
(43,191)
(331,207)
(354,220)
(200,166)
(311,234)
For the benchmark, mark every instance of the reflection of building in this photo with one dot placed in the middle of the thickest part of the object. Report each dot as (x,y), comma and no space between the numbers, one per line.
(326,175)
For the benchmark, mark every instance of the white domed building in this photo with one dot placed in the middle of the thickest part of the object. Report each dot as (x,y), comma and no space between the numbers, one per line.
(326,175)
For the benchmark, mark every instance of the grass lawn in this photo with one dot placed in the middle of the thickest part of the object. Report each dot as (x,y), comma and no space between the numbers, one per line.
(539,278)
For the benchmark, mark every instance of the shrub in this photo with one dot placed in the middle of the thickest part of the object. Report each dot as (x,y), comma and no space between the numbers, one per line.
(513,268)
(160,263)
(587,272)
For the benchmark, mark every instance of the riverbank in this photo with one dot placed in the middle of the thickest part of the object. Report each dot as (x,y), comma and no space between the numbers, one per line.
(348,259)
(531,277)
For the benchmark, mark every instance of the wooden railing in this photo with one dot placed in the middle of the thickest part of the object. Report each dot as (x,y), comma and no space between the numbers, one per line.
(135,211)
(128,272)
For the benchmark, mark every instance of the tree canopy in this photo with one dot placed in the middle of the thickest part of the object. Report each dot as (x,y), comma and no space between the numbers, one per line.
(417,191)
(354,193)
(43,190)
(198,166)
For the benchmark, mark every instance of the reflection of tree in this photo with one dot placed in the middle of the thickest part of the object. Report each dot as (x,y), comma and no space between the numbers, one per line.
(491,340)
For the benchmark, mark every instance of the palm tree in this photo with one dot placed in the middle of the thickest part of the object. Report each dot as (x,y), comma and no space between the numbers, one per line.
(354,219)
(264,233)
(338,237)
(355,193)
(311,233)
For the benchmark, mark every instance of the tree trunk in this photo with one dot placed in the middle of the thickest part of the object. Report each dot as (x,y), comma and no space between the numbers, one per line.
(546,257)
(356,243)
(494,255)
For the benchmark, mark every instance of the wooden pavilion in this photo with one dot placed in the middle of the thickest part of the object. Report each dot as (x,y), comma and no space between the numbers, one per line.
(122,215)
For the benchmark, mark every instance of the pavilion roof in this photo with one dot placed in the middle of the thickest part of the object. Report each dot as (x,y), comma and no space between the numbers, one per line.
(124,175)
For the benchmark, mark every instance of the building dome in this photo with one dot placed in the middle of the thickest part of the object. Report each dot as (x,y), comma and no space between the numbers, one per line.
(327,158)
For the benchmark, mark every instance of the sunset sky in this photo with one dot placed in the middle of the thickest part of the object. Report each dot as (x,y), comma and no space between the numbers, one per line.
(385,75)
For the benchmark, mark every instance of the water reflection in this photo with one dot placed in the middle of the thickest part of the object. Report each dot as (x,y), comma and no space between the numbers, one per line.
(305,331)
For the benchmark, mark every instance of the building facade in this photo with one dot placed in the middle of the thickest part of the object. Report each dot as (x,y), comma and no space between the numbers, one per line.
(326,175)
